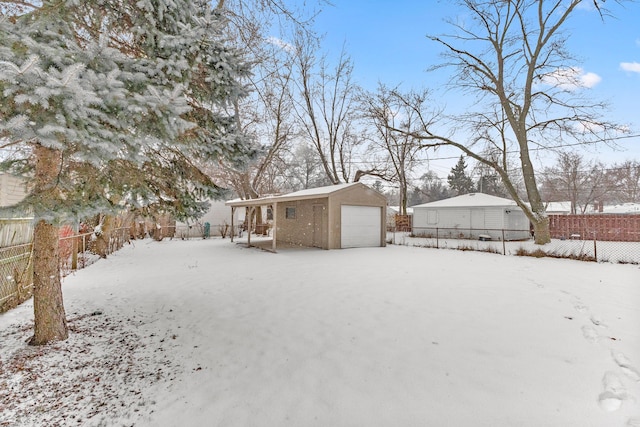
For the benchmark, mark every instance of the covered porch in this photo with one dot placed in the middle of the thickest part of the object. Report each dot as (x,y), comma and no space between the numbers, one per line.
(260,231)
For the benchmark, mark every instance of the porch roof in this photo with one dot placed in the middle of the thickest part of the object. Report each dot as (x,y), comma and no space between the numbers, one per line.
(311,193)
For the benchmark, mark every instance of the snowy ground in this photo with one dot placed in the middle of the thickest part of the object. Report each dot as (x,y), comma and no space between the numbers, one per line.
(206,332)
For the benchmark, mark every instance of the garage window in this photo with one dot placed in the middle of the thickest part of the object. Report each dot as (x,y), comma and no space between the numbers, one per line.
(290,213)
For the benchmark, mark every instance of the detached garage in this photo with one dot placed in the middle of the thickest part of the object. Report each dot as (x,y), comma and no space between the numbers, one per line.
(334,217)
(472,216)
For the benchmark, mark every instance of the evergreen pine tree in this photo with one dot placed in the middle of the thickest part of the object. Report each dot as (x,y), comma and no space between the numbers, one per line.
(108,106)
(459,182)
(491,184)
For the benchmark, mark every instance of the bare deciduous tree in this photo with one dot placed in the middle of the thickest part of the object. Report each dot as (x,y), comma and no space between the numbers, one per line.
(302,168)
(266,115)
(326,109)
(625,179)
(575,180)
(385,111)
(430,188)
(511,60)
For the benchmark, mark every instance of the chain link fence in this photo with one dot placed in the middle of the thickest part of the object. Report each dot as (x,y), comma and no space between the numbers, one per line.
(16,275)
(199,230)
(76,251)
(498,241)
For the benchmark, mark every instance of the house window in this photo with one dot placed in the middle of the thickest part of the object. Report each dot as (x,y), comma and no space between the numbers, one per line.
(290,213)
(269,214)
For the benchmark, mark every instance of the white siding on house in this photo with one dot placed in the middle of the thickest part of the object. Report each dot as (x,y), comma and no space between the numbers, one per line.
(455,218)
(516,220)
(477,219)
(12,189)
(470,216)
(422,216)
(432,217)
(494,218)
(217,216)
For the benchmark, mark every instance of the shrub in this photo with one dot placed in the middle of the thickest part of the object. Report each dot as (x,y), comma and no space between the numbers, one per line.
(539,253)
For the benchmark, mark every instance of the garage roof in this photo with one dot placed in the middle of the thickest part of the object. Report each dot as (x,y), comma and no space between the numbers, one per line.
(311,193)
(469,200)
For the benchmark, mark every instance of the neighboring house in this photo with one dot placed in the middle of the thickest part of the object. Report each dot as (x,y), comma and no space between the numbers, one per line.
(394,210)
(333,217)
(625,208)
(475,216)
(12,189)
(14,230)
(218,217)
(557,208)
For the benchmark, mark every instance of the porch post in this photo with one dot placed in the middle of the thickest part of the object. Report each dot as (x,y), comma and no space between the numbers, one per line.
(233,211)
(250,213)
(274,212)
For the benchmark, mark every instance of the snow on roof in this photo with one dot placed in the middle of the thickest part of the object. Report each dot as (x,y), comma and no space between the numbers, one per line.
(319,191)
(395,209)
(558,207)
(469,200)
(309,193)
(625,208)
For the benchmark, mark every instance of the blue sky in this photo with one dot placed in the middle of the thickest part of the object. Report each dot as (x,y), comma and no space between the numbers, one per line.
(387,42)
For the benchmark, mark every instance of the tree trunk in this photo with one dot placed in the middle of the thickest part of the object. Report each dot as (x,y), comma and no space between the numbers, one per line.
(48,308)
(403,197)
(541,232)
(102,240)
(50,319)
(540,220)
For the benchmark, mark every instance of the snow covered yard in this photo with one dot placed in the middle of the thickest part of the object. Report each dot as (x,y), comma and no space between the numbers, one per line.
(206,332)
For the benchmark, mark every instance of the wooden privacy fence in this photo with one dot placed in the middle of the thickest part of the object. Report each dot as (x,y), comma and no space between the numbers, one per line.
(76,251)
(15,231)
(619,228)
(403,222)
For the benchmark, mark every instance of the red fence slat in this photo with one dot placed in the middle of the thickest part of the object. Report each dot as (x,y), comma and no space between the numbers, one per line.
(609,227)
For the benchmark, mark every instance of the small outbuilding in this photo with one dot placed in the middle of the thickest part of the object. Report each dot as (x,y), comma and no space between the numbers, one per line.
(472,216)
(333,217)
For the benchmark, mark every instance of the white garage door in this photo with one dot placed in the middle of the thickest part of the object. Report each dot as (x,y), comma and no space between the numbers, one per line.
(360,226)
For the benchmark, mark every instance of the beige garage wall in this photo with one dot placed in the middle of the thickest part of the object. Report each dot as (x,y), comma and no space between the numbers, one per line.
(299,230)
